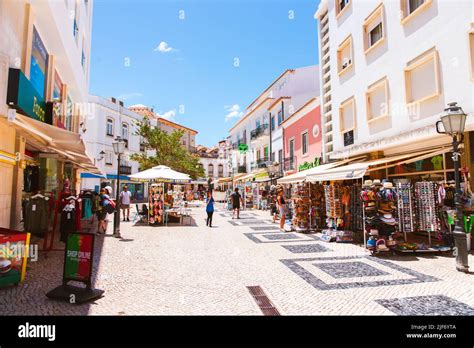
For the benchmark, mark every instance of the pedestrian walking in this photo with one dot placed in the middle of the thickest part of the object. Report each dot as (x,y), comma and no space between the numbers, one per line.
(209,208)
(106,205)
(125,200)
(236,200)
(281,208)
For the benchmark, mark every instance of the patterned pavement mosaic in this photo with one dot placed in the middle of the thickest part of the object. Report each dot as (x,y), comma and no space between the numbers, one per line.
(305,249)
(427,305)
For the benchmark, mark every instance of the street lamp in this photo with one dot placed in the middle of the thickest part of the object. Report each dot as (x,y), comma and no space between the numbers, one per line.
(119,150)
(453,122)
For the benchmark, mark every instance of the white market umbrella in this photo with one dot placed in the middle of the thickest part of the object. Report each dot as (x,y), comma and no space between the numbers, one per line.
(161,174)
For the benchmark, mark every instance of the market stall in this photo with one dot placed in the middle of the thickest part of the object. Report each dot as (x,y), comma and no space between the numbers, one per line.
(161,199)
(398,212)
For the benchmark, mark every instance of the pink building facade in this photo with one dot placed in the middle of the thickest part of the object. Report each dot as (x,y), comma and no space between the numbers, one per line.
(302,138)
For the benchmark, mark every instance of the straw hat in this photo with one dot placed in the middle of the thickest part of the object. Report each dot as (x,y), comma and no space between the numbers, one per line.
(377,182)
(387,185)
(367,183)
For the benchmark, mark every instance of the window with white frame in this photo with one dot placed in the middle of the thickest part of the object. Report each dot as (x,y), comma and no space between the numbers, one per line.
(108,158)
(341,6)
(374,29)
(377,100)
(210,170)
(304,142)
(110,127)
(125,133)
(347,115)
(411,8)
(220,170)
(344,55)
(422,81)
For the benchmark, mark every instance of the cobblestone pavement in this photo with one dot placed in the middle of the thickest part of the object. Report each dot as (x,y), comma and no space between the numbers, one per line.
(194,269)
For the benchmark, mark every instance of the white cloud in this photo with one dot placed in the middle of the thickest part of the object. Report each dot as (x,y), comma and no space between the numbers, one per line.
(164,47)
(168,115)
(233,111)
(127,96)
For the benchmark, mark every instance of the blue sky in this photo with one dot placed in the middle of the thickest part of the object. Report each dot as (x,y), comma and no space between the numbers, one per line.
(144,52)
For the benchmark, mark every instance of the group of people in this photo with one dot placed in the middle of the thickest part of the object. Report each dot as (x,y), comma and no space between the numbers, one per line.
(282,208)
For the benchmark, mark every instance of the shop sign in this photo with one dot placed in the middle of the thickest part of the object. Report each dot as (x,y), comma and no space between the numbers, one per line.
(13,256)
(54,114)
(243,148)
(309,165)
(78,257)
(349,138)
(23,96)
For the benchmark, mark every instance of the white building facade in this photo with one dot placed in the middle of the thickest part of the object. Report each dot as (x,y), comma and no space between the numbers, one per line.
(260,127)
(111,119)
(389,68)
(214,161)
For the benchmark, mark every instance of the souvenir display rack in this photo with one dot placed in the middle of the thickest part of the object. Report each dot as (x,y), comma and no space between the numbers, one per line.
(156,202)
(301,206)
(317,213)
(405,207)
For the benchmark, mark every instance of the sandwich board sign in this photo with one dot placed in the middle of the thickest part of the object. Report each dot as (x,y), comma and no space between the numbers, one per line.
(78,265)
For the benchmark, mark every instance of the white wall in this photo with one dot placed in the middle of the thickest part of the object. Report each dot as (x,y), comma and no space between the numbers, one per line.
(443,25)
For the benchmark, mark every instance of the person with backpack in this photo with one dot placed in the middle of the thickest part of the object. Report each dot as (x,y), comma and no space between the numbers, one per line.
(209,208)
(107,206)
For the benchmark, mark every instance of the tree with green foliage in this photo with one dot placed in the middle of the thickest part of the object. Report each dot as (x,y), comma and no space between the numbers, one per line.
(168,150)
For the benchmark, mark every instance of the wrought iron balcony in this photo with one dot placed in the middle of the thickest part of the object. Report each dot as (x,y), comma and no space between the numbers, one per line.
(125,170)
(288,164)
(259,131)
(261,163)
(242,169)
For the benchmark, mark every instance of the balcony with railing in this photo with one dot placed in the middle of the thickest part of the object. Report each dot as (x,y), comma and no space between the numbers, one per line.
(260,163)
(259,132)
(240,169)
(125,170)
(288,164)
(235,146)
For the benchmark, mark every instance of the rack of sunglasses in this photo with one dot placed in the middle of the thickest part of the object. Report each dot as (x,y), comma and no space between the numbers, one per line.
(427,208)
(405,207)
(355,209)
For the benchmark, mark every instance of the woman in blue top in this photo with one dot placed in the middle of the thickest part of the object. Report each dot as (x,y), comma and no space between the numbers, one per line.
(209,208)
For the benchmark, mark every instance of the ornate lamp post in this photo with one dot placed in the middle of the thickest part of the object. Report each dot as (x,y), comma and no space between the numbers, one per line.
(119,150)
(453,122)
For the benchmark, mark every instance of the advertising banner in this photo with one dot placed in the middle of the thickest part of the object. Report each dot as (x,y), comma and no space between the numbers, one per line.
(78,257)
(13,256)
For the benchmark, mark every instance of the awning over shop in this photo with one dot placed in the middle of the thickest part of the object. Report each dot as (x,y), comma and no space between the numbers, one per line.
(49,139)
(301,176)
(245,178)
(199,182)
(359,169)
(224,180)
(92,176)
